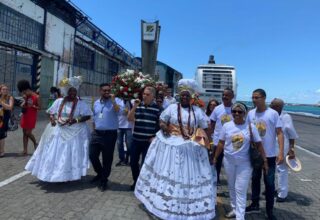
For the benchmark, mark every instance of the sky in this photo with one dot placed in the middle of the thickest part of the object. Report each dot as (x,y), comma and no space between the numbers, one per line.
(274,44)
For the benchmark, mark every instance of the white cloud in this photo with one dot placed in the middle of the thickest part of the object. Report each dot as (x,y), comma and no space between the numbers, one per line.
(317,91)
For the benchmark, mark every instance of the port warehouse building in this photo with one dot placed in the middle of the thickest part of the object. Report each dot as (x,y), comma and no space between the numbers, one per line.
(44,41)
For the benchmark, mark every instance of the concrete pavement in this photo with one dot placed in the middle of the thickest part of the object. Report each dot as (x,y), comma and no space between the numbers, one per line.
(28,198)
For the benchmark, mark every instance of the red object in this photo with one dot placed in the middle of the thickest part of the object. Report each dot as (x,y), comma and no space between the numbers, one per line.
(198,102)
(29,117)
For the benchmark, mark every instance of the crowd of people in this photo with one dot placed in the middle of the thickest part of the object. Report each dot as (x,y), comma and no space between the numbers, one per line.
(175,149)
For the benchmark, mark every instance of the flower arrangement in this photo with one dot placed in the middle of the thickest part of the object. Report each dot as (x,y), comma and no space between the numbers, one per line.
(129,84)
(195,100)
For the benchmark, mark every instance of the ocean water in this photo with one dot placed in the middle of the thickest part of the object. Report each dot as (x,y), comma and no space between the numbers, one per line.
(307,110)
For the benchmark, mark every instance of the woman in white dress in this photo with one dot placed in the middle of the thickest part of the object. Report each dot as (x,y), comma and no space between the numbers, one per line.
(176,180)
(62,153)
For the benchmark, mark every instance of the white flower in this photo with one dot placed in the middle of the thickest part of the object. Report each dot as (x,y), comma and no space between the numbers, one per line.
(121,88)
(125,93)
(129,89)
(130,71)
(135,95)
(142,85)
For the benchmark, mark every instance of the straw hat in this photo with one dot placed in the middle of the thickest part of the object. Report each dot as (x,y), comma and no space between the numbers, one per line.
(294,164)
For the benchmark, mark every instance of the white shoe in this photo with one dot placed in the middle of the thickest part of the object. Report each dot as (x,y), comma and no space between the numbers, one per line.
(230,214)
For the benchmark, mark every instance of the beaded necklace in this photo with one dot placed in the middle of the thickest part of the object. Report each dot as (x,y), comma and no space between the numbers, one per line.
(74,103)
(190,130)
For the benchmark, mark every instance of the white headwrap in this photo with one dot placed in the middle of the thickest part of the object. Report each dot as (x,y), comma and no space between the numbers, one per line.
(189,85)
(67,83)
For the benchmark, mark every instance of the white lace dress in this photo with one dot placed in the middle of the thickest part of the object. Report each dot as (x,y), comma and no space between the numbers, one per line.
(176,180)
(62,153)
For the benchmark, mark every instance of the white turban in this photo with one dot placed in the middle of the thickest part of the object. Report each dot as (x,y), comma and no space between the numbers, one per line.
(67,83)
(189,85)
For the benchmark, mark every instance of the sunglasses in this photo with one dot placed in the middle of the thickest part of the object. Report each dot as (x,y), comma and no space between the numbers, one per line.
(237,111)
(256,97)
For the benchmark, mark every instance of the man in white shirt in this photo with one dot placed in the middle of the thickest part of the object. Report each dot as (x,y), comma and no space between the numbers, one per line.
(124,133)
(168,100)
(268,123)
(290,135)
(220,115)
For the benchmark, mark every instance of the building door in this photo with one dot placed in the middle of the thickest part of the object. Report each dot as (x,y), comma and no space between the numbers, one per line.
(14,66)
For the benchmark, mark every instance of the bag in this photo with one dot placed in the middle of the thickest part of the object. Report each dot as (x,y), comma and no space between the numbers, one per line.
(13,123)
(255,156)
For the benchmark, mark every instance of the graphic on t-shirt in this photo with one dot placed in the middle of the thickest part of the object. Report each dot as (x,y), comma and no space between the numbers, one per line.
(225,118)
(29,102)
(237,141)
(261,126)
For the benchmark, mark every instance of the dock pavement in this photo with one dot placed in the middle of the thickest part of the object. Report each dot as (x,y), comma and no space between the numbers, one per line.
(22,196)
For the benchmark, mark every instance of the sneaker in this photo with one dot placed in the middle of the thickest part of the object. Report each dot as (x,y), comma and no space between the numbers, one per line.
(103,186)
(253,208)
(120,163)
(230,214)
(279,199)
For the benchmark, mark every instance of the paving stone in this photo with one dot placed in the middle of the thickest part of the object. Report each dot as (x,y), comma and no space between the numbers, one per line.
(27,198)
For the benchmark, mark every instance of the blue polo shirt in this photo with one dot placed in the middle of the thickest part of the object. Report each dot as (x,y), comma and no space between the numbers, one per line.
(104,115)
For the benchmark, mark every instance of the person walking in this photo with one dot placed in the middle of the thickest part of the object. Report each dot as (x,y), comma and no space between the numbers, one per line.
(62,154)
(104,135)
(234,141)
(176,180)
(30,108)
(6,107)
(220,115)
(290,135)
(145,115)
(124,133)
(269,125)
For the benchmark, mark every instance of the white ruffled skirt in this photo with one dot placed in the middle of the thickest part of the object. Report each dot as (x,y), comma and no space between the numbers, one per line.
(177,181)
(62,154)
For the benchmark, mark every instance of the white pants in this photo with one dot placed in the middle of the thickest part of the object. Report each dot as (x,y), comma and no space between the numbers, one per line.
(238,175)
(282,170)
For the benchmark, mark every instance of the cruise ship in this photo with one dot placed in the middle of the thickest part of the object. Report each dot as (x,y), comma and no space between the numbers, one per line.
(214,78)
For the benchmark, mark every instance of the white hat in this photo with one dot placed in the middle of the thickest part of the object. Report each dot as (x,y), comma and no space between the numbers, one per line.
(189,85)
(294,164)
(66,83)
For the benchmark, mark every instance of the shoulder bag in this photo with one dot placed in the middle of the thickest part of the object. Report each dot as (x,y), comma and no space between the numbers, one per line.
(255,156)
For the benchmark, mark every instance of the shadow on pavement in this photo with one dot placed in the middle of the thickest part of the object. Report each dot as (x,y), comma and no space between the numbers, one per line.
(115,186)
(300,199)
(17,155)
(64,187)
(280,214)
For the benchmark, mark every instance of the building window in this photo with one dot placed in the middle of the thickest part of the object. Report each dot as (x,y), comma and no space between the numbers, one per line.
(84,57)
(19,29)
